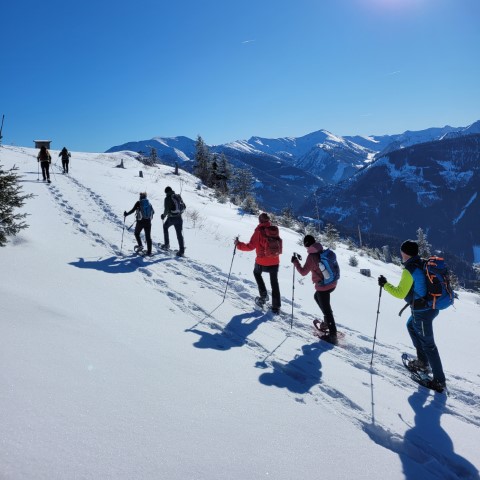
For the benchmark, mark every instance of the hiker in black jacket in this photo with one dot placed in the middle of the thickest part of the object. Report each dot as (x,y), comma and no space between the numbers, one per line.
(174,217)
(45,160)
(144,213)
(65,154)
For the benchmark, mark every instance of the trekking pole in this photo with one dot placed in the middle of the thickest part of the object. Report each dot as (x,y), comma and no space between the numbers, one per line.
(296,255)
(293,295)
(224,294)
(229,273)
(376,323)
(123,231)
(128,228)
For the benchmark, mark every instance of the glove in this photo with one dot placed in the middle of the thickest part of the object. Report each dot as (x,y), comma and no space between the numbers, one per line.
(162,216)
(293,258)
(125,213)
(382,280)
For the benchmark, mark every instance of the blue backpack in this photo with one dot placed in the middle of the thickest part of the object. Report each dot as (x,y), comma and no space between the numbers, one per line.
(440,294)
(329,260)
(145,212)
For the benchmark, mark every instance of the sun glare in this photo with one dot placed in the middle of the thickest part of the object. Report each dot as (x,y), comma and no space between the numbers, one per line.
(389,5)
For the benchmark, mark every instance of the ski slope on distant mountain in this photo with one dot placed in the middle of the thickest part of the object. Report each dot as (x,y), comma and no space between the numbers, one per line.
(120,366)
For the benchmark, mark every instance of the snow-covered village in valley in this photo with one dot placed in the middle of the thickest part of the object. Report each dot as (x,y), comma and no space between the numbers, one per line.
(119,364)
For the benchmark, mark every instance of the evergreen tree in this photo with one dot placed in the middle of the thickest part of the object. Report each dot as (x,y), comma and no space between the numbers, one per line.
(424,248)
(201,168)
(241,184)
(224,174)
(10,198)
(287,218)
(331,236)
(250,205)
(153,157)
(213,171)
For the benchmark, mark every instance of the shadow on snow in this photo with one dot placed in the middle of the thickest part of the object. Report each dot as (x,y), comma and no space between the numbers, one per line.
(234,334)
(426,450)
(117,264)
(300,374)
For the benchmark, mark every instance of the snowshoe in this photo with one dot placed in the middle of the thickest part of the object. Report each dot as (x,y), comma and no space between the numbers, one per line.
(320,326)
(414,365)
(421,375)
(139,249)
(261,301)
(325,335)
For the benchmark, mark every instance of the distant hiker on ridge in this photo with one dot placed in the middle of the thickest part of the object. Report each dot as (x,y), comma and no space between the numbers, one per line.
(325,278)
(144,213)
(65,154)
(413,288)
(45,159)
(173,209)
(268,245)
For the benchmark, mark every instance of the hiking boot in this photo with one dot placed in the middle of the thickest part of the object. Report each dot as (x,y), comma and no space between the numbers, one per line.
(180,253)
(330,338)
(276,310)
(437,385)
(322,326)
(418,365)
(261,301)
(165,246)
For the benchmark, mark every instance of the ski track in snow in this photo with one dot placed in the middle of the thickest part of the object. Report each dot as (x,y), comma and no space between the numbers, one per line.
(303,373)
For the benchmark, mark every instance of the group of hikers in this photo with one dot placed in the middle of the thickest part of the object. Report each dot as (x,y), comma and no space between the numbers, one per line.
(324,271)
(45,159)
(412,288)
(172,212)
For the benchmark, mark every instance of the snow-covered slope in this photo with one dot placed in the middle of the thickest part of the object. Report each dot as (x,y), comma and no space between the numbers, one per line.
(122,367)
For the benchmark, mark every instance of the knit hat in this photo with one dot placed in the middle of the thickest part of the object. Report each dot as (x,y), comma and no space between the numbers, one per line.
(410,248)
(143,194)
(263,217)
(308,241)
(168,190)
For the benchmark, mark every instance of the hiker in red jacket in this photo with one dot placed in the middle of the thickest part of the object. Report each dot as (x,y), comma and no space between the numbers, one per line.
(268,245)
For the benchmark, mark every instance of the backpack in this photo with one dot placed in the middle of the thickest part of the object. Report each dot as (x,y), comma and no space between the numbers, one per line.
(271,245)
(179,204)
(328,259)
(44,156)
(440,294)
(145,212)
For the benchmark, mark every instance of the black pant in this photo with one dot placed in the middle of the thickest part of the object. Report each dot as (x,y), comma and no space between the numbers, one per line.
(262,289)
(45,170)
(323,301)
(146,225)
(177,222)
(65,166)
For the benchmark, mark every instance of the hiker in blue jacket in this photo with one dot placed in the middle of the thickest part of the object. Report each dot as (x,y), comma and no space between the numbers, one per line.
(144,213)
(413,288)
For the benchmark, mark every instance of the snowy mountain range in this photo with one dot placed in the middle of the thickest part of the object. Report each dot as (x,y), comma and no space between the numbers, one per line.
(432,185)
(328,157)
(117,366)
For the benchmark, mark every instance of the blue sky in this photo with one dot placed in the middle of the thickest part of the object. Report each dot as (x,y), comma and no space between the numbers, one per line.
(93,74)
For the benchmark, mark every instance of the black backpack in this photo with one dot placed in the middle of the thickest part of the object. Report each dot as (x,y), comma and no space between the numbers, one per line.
(178,203)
